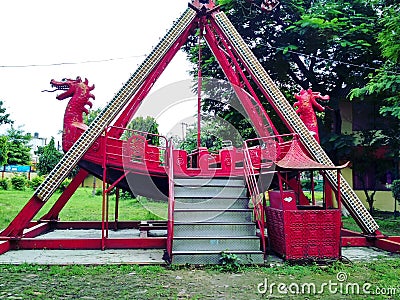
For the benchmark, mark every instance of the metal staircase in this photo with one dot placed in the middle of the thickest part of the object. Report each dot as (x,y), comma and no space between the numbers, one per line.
(212,216)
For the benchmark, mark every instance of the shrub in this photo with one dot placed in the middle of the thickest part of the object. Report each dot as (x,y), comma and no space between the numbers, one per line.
(35,182)
(64,185)
(99,192)
(19,182)
(229,262)
(4,184)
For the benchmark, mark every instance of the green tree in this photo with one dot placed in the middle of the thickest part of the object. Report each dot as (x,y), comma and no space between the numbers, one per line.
(214,132)
(49,157)
(4,119)
(18,148)
(328,46)
(385,82)
(88,118)
(145,125)
(3,150)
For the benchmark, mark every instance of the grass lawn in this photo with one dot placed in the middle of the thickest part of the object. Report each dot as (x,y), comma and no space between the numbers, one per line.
(380,279)
(372,280)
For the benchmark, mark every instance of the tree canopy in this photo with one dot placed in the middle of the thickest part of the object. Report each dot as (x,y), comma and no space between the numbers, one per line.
(329,46)
(18,148)
(4,119)
(144,125)
(384,83)
(49,157)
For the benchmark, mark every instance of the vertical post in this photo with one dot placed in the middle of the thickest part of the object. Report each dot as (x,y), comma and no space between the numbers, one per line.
(103,214)
(199,87)
(312,187)
(107,208)
(116,211)
(103,206)
(338,189)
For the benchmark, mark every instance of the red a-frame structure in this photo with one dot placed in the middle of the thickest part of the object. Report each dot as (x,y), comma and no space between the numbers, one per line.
(99,149)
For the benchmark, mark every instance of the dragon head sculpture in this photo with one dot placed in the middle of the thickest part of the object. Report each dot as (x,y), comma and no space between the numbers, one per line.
(79,93)
(71,87)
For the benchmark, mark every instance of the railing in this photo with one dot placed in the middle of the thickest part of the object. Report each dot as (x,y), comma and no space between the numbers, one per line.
(256,197)
(261,153)
(134,149)
(171,199)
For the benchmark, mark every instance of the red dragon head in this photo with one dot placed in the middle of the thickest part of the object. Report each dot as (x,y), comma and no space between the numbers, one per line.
(71,87)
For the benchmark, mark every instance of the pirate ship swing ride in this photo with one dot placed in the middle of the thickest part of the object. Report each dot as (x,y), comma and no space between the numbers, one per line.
(216,202)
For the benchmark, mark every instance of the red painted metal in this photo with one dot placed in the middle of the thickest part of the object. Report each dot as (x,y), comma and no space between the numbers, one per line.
(92,243)
(305,234)
(121,225)
(355,239)
(294,233)
(4,246)
(134,104)
(226,58)
(65,196)
(389,244)
(171,199)
(37,229)
(24,217)
(256,197)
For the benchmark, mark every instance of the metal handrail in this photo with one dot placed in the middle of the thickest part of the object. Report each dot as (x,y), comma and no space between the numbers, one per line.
(163,144)
(171,199)
(255,195)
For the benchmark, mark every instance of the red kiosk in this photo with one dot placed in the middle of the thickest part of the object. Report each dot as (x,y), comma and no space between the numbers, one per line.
(299,227)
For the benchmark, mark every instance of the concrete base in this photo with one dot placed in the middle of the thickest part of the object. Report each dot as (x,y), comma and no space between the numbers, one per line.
(83,257)
(133,256)
(143,257)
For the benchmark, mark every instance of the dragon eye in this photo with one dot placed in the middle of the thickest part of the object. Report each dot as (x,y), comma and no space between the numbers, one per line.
(64,79)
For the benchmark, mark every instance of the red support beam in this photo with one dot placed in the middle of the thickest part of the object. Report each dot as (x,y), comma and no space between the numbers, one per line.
(36,230)
(65,196)
(134,104)
(121,224)
(387,245)
(24,217)
(4,246)
(354,241)
(90,243)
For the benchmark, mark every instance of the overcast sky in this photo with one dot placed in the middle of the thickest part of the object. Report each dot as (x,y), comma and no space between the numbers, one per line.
(45,32)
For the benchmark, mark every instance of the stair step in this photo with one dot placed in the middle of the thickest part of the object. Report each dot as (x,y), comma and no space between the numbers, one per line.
(213,257)
(215,203)
(210,191)
(216,243)
(238,182)
(213,215)
(214,229)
